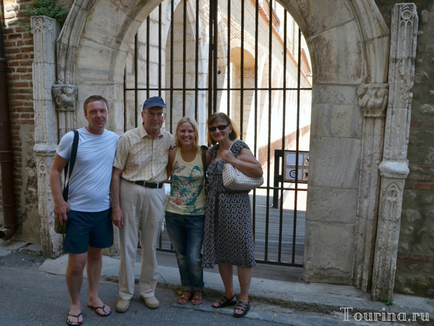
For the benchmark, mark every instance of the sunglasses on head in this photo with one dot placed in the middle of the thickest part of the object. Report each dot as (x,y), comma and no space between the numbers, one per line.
(221,127)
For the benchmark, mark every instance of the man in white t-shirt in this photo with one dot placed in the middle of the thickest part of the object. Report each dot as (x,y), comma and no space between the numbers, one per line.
(87,210)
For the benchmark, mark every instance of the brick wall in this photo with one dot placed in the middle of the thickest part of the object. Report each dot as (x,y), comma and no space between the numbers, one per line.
(18,45)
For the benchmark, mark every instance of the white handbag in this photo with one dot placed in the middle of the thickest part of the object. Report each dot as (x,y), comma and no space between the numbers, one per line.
(236,180)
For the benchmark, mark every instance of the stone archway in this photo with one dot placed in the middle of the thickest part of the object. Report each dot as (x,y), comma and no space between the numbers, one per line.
(349,45)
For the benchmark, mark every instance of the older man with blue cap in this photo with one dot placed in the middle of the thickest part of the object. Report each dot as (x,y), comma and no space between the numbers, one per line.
(138,200)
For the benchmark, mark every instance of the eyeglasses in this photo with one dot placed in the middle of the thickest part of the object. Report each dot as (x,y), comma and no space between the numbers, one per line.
(221,127)
(159,115)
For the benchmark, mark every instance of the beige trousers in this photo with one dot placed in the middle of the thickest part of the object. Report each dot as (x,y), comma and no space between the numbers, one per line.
(143,210)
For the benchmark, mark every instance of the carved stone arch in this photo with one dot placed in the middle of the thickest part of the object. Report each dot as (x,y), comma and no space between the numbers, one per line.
(349,45)
(93,56)
(319,20)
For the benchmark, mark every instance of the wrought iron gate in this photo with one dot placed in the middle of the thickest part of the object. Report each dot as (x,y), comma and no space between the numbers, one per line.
(245,58)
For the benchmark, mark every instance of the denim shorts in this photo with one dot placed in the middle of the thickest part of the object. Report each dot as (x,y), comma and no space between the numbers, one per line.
(86,229)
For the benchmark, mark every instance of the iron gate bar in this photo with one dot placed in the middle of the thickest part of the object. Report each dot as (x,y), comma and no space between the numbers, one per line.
(215,54)
(297,148)
(210,61)
(196,75)
(159,51)
(219,89)
(270,262)
(125,99)
(255,146)
(136,74)
(242,72)
(284,188)
(148,28)
(172,38)
(279,255)
(270,61)
(212,103)
(184,55)
(228,85)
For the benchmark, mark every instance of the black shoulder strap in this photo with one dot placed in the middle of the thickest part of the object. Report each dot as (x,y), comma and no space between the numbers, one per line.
(73,153)
(70,165)
(203,150)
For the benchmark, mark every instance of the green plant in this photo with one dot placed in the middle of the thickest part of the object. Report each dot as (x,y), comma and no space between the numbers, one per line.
(43,8)
(388,301)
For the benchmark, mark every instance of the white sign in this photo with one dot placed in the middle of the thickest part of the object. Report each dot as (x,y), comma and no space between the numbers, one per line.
(290,166)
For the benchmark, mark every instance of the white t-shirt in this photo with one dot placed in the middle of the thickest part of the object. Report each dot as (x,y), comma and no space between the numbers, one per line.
(89,187)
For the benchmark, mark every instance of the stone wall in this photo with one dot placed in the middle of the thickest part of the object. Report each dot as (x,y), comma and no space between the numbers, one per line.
(415,261)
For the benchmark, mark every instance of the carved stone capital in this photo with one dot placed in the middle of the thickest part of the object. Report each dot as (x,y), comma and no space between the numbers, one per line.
(65,97)
(42,24)
(372,98)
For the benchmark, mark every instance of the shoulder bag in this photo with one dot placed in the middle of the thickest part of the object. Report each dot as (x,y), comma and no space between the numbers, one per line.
(234,179)
(57,227)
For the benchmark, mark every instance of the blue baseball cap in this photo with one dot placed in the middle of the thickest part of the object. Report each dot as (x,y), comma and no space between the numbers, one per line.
(154,101)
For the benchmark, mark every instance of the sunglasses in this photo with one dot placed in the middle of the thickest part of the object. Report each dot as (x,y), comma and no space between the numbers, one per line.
(221,127)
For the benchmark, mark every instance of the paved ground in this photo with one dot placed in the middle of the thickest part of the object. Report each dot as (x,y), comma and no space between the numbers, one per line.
(33,292)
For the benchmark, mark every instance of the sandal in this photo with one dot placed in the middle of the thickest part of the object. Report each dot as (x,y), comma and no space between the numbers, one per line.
(197,297)
(244,307)
(224,302)
(183,299)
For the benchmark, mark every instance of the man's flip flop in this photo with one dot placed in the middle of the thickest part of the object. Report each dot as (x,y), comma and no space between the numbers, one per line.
(72,323)
(102,309)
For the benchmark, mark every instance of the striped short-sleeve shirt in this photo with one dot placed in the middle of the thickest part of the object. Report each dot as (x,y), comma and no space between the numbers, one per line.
(142,158)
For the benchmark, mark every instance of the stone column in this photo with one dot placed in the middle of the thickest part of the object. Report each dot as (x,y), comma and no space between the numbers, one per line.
(372,98)
(394,167)
(45,31)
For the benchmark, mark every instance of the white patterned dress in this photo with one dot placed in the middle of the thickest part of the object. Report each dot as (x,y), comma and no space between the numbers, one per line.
(228,235)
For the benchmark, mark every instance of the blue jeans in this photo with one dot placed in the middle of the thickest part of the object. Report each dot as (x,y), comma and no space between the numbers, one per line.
(186,234)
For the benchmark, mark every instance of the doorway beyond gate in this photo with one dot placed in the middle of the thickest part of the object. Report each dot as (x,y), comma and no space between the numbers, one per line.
(236,57)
